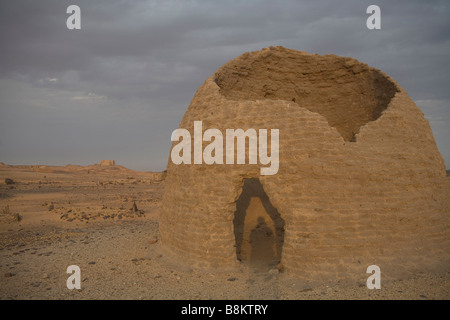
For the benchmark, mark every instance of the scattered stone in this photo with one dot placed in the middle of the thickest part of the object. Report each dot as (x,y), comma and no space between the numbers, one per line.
(273,271)
(6,210)
(232,279)
(51,207)
(9,181)
(91,262)
(280,267)
(9,275)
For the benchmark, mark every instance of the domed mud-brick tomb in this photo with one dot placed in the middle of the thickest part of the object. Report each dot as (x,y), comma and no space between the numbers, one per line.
(360,178)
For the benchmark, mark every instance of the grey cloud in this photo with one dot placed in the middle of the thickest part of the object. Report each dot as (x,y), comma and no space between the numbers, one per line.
(129,74)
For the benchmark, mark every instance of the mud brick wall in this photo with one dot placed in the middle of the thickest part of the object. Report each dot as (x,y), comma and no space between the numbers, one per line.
(360,181)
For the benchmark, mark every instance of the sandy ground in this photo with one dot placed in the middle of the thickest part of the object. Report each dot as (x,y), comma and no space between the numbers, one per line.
(105,220)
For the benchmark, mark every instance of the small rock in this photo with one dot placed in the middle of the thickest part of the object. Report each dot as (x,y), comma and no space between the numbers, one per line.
(273,271)
(9,275)
(51,207)
(9,181)
(91,262)
(232,279)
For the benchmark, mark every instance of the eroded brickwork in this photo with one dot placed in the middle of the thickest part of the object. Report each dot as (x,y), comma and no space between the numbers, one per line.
(360,181)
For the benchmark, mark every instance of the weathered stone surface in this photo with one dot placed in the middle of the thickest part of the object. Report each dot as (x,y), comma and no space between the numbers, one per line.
(360,182)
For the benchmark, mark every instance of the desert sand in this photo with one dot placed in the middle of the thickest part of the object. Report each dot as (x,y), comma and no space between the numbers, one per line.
(104,219)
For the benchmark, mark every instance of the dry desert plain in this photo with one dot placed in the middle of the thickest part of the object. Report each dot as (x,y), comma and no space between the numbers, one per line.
(104,219)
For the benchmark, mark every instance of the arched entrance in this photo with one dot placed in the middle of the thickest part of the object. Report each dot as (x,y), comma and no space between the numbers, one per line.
(258,227)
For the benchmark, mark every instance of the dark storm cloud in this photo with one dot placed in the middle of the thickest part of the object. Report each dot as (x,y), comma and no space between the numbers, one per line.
(126,78)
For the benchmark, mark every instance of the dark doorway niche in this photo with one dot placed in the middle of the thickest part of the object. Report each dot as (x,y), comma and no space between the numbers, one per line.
(258,227)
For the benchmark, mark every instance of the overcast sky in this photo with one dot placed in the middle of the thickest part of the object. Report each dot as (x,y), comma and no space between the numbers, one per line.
(117,88)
